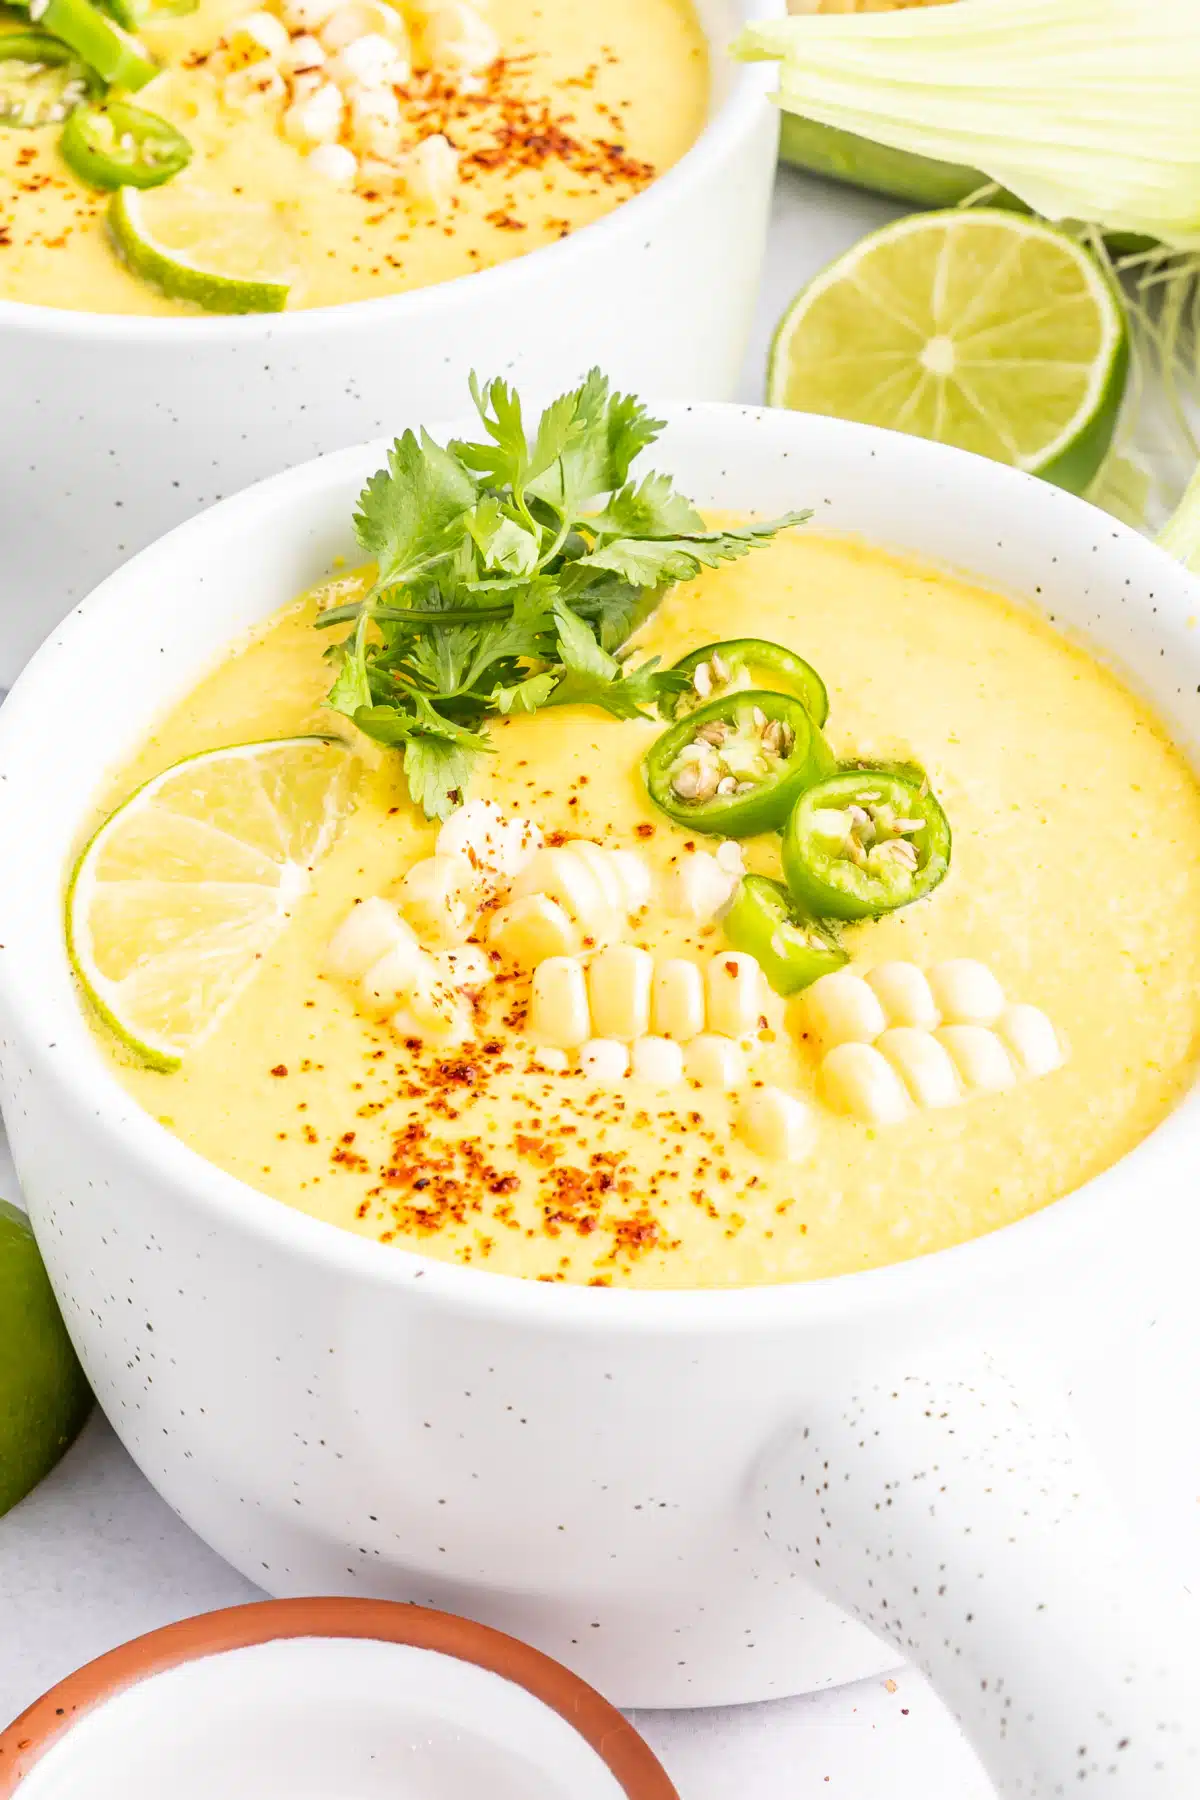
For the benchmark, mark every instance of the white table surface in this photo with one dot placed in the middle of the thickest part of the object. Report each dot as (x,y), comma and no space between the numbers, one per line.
(94,1557)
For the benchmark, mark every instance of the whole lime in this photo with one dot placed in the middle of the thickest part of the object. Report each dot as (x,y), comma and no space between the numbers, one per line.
(44,1397)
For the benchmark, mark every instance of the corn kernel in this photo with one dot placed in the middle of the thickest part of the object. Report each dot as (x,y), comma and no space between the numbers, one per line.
(440,899)
(841,1009)
(599,860)
(527,931)
(466,967)
(604,1059)
(657,1060)
(856,1079)
(558,1003)
(563,876)
(317,119)
(619,989)
(362,938)
(495,843)
(776,1124)
(677,1005)
(735,993)
(1031,1040)
(633,873)
(923,1064)
(905,995)
(966,992)
(333,163)
(715,1061)
(982,1061)
(699,887)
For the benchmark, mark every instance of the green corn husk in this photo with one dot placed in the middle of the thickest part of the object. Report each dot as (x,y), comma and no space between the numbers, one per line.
(1085,109)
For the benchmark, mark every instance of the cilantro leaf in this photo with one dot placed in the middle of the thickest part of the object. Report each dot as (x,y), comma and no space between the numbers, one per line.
(411,515)
(503,461)
(525,696)
(653,561)
(594,678)
(599,434)
(438,772)
(652,509)
(508,571)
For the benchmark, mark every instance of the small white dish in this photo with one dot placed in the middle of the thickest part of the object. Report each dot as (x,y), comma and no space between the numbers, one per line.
(326,1700)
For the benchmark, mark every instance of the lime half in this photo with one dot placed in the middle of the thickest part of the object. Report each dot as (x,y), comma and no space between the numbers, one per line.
(44,1397)
(979,328)
(226,255)
(185,887)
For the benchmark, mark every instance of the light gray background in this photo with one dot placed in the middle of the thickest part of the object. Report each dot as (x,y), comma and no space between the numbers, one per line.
(94,1557)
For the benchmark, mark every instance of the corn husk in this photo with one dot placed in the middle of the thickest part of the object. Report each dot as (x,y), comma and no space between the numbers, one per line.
(1086,109)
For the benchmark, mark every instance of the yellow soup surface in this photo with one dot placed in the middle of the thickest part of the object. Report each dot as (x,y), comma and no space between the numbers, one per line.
(583,107)
(1075,878)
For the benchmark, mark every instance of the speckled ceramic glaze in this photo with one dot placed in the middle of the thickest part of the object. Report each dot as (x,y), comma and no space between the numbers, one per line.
(691,1498)
(115,429)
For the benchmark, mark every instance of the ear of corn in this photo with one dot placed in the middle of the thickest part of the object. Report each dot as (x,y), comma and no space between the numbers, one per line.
(1085,109)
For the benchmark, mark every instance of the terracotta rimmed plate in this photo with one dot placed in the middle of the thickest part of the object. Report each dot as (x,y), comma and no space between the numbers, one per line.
(328,1697)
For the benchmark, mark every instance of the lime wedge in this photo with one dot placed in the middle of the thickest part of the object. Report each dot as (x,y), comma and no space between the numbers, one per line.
(225,255)
(44,1397)
(978,328)
(185,887)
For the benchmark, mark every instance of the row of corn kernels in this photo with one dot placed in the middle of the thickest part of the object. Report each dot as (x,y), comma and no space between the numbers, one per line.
(623,994)
(902,1038)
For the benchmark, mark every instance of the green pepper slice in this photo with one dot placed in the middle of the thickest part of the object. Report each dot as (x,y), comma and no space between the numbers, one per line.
(792,951)
(104,45)
(739,663)
(736,766)
(41,80)
(864,842)
(121,146)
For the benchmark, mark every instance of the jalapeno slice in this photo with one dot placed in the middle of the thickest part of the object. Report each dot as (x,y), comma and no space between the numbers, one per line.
(739,663)
(41,80)
(121,146)
(736,766)
(864,842)
(104,45)
(792,951)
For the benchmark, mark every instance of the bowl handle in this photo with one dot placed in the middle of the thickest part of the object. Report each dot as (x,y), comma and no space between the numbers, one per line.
(953,1515)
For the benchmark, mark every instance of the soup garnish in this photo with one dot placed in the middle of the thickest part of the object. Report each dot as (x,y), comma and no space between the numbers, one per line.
(718,669)
(41,80)
(508,573)
(864,842)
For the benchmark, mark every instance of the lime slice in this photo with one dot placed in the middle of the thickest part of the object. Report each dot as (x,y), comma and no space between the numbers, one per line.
(44,1397)
(186,886)
(977,328)
(226,255)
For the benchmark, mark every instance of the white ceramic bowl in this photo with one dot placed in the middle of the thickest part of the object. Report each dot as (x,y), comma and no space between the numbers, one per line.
(323,1699)
(691,1498)
(116,428)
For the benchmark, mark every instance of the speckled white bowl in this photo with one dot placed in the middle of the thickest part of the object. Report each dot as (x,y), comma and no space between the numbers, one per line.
(691,1498)
(115,428)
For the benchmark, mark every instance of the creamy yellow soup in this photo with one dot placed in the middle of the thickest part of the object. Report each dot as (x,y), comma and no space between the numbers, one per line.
(1075,877)
(585,105)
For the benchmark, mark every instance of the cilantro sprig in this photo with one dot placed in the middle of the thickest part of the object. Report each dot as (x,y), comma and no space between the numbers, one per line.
(509,573)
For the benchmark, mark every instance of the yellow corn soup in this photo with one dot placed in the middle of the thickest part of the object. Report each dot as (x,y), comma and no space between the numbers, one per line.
(583,107)
(1062,791)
